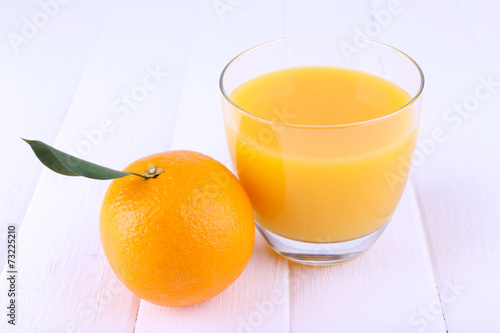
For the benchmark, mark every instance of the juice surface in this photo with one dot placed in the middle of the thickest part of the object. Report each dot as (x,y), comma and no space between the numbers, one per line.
(315,166)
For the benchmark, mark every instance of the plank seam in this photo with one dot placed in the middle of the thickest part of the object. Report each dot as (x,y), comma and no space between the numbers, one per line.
(421,216)
(137,314)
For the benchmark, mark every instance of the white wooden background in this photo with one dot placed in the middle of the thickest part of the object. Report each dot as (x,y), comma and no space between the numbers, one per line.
(435,269)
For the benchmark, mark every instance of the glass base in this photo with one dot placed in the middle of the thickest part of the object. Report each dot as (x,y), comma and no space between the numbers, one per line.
(320,254)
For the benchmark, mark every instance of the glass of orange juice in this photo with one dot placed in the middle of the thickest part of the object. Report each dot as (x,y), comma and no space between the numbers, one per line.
(321,130)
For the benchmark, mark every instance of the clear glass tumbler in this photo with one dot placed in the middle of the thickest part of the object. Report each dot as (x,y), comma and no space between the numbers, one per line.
(322,192)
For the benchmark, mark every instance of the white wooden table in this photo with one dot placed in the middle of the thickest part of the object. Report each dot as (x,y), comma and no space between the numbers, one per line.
(66,69)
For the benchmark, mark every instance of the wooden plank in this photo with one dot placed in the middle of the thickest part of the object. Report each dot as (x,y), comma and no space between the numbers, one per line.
(36,87)
(65,283)
(258,300)
(461,214)
(384,289)
(457,182)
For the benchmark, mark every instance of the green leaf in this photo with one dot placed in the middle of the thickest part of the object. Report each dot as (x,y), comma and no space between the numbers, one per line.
(68,165)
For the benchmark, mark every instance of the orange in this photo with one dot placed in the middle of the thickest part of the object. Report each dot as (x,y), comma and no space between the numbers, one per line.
(182,237)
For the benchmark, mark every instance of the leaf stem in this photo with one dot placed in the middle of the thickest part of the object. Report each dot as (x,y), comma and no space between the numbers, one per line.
(153,172)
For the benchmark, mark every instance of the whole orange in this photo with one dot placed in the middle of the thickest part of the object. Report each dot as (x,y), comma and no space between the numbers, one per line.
(182,237)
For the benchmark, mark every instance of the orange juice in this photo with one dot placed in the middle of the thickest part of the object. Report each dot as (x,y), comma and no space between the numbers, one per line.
(316,152)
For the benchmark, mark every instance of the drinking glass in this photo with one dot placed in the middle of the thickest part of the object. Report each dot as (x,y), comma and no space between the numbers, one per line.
(322,194)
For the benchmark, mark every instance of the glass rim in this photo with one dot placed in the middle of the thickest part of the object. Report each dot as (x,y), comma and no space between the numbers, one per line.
(276,122)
